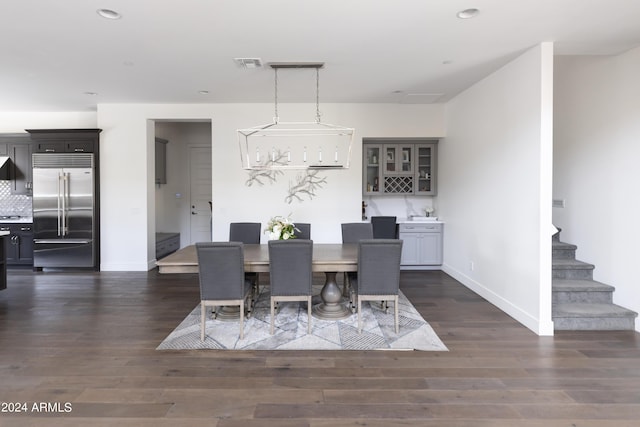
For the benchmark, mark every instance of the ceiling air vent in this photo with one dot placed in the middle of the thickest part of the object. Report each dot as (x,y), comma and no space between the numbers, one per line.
(248,62)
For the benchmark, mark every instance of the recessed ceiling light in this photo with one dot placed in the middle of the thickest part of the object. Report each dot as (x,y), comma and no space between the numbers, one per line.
(109,14)
(90,93)
(447,62)
(467,13)
(203,92)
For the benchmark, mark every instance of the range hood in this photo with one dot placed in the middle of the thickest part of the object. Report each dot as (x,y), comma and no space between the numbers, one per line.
(4,167)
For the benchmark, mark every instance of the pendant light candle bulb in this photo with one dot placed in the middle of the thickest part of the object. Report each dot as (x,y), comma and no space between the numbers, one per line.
(288,154)
(320,155)
(335,159)
(257,155)
(273,154)
(304,155)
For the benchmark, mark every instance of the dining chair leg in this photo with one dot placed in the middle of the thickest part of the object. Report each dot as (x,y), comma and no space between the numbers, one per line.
(203,310)
(272,314)
(309,314)
(242,319)
(395,305)
(359,315)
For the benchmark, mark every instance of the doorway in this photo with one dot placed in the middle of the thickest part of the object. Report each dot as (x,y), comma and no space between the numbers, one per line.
(182,199)
(201,220)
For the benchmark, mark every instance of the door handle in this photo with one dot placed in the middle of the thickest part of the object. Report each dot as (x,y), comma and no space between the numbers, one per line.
(194,213)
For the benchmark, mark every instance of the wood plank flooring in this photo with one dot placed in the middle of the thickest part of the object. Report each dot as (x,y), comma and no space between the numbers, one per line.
(89,339)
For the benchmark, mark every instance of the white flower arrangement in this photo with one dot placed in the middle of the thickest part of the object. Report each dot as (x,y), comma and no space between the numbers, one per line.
(428,211)
(281,228)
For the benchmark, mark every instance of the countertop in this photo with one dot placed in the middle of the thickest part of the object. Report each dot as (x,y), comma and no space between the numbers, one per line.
(414,221)
(4,233)
(22,220)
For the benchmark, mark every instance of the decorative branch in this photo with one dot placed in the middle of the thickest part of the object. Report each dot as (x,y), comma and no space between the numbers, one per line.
(268,174)
(306,185)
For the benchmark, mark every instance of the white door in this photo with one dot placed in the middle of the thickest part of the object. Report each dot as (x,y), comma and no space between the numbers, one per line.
(200,203)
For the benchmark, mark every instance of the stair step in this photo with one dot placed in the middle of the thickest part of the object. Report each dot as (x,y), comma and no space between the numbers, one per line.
(581,291)
(571,269)
(563,245)
(561,250)
(582,316)
(577,285)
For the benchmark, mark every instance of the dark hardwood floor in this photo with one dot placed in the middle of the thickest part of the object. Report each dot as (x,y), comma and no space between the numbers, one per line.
(88,339)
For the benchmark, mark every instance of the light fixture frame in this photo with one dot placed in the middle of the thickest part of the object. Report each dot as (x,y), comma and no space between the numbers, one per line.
(281,158)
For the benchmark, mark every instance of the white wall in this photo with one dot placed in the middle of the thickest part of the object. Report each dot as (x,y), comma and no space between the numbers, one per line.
(16,122)
(495,188)
(597,129)
(127,170)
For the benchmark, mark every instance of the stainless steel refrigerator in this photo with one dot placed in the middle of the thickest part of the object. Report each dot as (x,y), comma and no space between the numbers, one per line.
(63,210)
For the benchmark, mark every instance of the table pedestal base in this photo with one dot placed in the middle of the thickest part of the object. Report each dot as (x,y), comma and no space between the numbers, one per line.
(228,312)
(331,308)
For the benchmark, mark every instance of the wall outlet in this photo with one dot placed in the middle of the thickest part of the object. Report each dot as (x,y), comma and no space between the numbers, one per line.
(558,203)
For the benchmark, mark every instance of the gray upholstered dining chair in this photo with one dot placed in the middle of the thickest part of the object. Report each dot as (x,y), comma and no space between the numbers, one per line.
(384,227)
(222,281)
(303,231)
(353,232)
(378,274)
(247,233)
(244,232)
(291,275)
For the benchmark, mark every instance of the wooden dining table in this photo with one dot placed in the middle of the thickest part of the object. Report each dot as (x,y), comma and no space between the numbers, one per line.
(328,258)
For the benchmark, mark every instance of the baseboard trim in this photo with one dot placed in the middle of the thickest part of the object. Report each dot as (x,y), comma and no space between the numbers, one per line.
(128,267)
(538,327)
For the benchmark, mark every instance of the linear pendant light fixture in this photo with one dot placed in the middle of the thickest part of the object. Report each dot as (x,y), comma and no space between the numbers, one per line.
(296,145)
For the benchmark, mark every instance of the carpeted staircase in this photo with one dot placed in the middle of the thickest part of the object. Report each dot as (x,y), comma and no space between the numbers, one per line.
(579,302)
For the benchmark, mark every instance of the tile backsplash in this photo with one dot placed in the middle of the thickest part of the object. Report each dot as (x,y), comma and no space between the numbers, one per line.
(13,204)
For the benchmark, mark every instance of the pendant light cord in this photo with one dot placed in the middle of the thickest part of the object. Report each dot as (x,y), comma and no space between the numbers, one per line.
(276,118)
(317,94)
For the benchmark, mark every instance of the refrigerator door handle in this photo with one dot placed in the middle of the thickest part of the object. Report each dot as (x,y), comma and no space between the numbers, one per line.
(58,210)
(62,241)
(65,185)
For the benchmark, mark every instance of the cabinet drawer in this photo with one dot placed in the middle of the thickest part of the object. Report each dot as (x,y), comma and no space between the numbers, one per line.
(49,147)
(420,228)
(79,147)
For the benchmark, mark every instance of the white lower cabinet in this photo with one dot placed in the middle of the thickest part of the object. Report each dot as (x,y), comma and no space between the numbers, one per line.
(422,244)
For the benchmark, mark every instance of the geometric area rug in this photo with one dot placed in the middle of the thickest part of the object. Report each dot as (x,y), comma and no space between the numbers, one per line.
(378,332)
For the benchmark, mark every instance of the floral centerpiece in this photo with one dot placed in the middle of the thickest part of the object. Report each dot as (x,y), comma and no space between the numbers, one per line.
(281,228)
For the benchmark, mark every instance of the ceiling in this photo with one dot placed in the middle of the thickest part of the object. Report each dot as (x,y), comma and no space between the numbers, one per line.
(62,56)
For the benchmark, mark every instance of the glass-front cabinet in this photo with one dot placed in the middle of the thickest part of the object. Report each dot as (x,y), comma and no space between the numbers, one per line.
(372,169)
(398,159)
(399,168)
(426,170)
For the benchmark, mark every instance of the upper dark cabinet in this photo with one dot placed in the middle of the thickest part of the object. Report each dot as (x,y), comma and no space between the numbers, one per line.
(64,147)
(161,161)
(18,170)
(64,140)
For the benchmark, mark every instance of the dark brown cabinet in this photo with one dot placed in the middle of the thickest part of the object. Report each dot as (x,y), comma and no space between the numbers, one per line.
(18,170)
(3,265)
(79,146)
(18,245)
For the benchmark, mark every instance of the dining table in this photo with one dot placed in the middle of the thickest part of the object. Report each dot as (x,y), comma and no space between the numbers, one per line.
(328,258)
